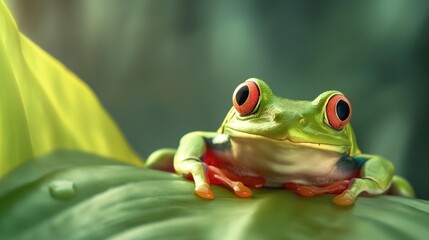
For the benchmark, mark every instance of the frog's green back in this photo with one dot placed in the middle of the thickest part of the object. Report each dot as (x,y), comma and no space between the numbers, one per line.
(44,107)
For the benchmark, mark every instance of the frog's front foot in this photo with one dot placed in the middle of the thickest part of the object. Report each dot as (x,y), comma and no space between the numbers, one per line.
(214,175)
(204,191)
(309,190)
(346,198)
(218,176)
(359,185)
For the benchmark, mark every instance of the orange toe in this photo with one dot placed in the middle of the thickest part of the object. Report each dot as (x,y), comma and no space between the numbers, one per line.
(241,190)
(204,191)
(307,191)
(344,199)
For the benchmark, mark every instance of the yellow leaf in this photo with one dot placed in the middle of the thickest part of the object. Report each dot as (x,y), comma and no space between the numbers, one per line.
(45,107)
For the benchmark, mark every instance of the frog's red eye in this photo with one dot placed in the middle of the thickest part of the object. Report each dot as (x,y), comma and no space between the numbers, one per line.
(246,97)
(338,111)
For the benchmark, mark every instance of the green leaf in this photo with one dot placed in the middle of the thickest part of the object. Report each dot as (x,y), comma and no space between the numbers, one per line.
(107,199)
(44,107)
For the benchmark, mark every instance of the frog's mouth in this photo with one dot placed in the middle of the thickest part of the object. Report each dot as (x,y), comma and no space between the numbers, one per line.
(288,141)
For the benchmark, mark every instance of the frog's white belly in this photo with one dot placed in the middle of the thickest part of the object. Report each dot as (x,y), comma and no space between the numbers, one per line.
(279,162)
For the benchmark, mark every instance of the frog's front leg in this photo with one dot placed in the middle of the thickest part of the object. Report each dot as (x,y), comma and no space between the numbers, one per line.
(188,160)
(376,176)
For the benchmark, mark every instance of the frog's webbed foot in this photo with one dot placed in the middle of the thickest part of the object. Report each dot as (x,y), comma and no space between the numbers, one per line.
(204,191)
(348,190)
(376,177)
(309,190)
(196,171)
(219,176)
(204,175)
(345,198)
(357,186)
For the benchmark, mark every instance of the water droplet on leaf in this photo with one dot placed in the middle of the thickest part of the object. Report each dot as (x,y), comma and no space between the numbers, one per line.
(62,189)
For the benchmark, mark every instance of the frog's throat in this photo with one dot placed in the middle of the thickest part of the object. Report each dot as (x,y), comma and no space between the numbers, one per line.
(342,149)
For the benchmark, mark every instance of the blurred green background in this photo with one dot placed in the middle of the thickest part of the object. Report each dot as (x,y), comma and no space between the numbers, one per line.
(164,68)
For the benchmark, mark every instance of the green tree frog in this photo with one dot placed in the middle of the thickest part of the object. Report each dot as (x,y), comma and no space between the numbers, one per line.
(270,141)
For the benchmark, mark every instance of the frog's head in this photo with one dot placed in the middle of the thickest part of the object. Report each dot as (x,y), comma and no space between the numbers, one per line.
(322,123)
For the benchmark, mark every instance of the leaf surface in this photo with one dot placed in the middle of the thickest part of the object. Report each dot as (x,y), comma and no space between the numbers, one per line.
(119,201)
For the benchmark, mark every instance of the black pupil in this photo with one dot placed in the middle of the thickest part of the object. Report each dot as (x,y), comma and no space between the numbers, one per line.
(343,110)
(242,95)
